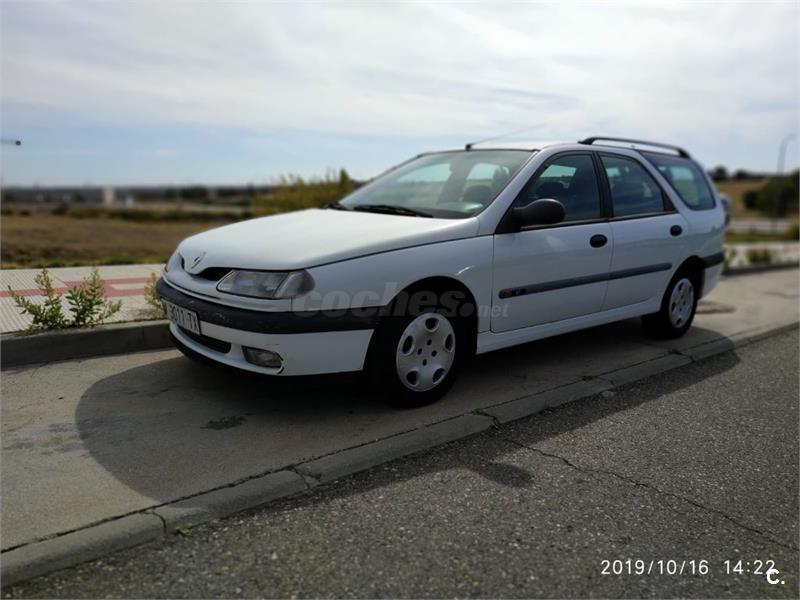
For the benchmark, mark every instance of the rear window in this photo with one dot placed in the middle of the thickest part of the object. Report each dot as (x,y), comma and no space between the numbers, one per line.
(686,179)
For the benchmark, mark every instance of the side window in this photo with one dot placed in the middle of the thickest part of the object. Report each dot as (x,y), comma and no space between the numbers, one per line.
(572,181)
(686,178)
(633,190)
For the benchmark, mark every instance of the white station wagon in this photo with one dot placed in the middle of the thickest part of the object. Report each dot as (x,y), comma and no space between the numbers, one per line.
(451,254)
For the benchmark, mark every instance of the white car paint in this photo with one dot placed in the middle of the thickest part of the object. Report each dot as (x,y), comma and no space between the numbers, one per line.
(468,261)
(303,353)
(306,238)
(540,256)
(363,259)
(638,243)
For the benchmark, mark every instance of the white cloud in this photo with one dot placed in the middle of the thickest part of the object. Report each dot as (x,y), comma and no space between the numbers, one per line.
(420,70)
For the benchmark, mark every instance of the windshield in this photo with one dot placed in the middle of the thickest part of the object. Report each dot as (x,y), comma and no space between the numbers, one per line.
(449,185)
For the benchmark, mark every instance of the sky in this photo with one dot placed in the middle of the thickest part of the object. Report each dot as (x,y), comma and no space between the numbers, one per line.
(242,92)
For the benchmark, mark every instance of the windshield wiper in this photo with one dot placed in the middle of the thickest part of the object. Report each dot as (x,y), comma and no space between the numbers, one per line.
(392,210)
(336,206)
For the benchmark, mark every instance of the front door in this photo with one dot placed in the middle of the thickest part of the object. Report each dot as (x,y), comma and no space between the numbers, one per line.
(549,273)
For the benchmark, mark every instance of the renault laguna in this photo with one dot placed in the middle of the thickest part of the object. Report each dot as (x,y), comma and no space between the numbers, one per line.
(453,254)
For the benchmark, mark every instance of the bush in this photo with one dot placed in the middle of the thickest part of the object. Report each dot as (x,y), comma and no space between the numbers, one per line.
(147,215)
(150,295)
(793,233)
(48,315)
(719,174)
(294,193)
(759,256)
(87,304)
(750,199)
(729,255)
(195,192)
(779,196)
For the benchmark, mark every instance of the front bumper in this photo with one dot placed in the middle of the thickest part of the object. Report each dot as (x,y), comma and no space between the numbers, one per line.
(309,343)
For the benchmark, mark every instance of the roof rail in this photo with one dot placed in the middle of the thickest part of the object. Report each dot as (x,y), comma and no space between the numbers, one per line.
(678,149)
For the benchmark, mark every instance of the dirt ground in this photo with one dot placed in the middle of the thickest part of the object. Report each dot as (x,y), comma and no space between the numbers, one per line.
(52,240)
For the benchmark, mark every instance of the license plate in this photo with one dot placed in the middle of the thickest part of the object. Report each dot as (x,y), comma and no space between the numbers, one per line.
(181,316)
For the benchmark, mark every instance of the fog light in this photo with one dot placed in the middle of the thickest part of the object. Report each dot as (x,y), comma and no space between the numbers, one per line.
(263,358)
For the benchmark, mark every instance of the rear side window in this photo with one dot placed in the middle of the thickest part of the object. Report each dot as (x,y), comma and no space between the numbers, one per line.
(633,190)
(686,179)
(570,179)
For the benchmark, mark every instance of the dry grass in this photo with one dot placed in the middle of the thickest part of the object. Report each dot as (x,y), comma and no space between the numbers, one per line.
(52,240)
(735,191)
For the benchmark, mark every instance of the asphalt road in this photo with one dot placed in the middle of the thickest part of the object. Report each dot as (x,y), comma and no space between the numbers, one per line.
(696,464)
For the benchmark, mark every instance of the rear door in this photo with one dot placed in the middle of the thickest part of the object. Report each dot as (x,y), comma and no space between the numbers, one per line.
(549,273)
(648,233)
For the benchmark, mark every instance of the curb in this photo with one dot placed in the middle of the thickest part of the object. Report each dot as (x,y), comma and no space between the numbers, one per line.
(230,500)
(751,269)
(79,546)
(361,458)
(156,523)
(116,338)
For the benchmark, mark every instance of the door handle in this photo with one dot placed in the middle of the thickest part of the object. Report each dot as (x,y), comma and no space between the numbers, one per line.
(675,230)
(598,241)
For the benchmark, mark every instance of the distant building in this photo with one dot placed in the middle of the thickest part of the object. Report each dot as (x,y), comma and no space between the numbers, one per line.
(109,195)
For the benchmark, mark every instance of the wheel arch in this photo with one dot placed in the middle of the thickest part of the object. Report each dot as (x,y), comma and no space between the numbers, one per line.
(440,284)
(695,266)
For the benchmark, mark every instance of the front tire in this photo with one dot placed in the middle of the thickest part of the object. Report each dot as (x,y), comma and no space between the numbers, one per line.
(678,307)
(415,359)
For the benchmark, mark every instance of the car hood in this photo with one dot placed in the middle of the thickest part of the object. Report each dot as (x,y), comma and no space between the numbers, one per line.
(313,237)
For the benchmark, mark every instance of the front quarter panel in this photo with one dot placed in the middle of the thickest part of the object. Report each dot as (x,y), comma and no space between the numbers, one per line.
(373,281)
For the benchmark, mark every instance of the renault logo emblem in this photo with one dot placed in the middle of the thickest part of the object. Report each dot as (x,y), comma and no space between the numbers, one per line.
(197,260)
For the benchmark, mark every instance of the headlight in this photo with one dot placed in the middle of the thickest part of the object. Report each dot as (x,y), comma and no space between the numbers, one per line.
(262,284)
(175,261)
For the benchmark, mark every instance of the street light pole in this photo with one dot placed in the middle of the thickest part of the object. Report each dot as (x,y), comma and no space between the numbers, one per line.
(781,160)
(782,151)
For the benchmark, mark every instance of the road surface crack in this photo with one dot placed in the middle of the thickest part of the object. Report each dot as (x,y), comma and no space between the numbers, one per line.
(163,521)
(651,487)
(495,421)
(309,480)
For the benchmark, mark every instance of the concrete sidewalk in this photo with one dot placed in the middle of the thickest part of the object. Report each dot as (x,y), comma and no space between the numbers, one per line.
(125,283)
(780,253)
(121,447)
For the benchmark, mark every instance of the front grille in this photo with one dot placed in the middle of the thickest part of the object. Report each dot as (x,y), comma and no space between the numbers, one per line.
(213,273)
(213,344)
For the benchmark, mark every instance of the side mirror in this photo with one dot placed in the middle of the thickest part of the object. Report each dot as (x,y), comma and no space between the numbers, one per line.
(545,211)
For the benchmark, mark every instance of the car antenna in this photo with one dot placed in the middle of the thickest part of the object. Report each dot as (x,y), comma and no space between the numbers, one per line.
(497,137)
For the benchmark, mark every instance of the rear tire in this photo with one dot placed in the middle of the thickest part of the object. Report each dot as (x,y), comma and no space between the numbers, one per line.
(678,307)
(414,359)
